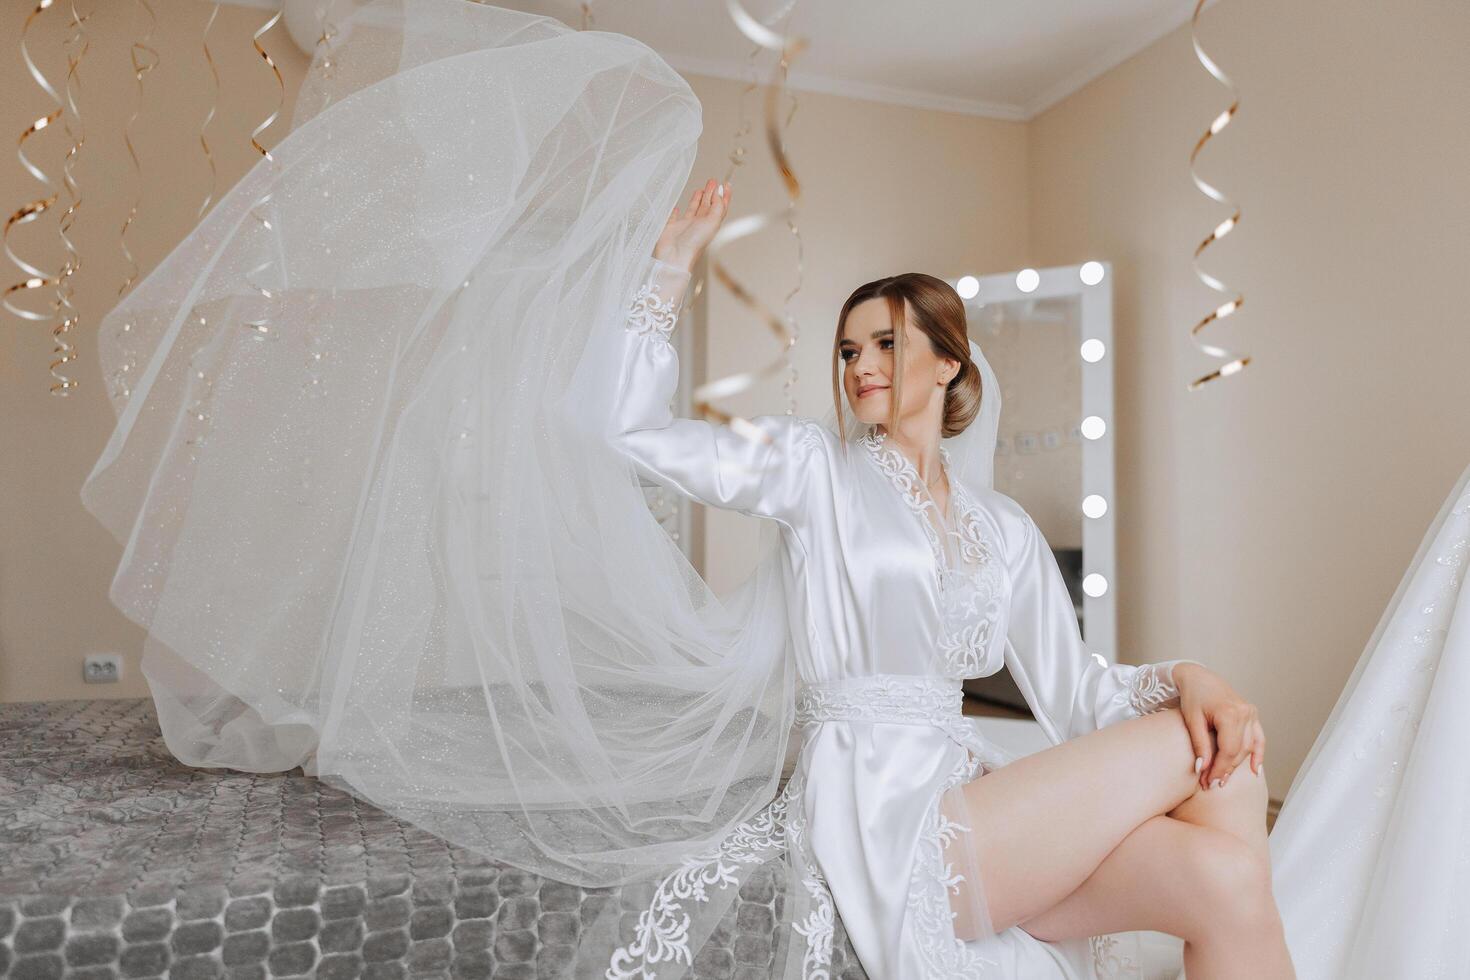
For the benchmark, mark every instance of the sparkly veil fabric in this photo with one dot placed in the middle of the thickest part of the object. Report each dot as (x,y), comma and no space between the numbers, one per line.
(1376,815)
(369,522)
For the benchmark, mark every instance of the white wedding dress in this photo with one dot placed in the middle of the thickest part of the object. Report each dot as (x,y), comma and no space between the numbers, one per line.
(1369,859)
(384,422)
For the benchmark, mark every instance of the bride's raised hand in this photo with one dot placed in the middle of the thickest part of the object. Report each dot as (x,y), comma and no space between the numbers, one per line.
(686,235)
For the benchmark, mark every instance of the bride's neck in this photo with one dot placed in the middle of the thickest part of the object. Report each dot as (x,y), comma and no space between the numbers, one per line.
(923,452)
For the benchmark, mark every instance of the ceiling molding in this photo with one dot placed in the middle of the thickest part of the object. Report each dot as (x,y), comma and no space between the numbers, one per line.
(828,85)
(738,70)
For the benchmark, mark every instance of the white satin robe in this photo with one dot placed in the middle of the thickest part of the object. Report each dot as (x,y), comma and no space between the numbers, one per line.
(889,614)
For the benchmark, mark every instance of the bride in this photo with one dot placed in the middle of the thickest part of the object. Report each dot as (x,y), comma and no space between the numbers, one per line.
(909,580)
(385,422)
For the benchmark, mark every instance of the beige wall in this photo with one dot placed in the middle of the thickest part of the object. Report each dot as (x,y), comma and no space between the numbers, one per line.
(885,189)
(1264,521)
(55,560)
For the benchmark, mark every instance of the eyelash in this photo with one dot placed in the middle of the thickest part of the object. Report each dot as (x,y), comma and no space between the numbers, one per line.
(848,351)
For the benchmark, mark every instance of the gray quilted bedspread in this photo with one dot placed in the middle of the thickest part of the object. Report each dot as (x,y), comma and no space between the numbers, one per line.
(116,860)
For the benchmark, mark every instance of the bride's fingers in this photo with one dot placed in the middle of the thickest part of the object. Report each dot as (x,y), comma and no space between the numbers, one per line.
(1246,751)
(1232,740)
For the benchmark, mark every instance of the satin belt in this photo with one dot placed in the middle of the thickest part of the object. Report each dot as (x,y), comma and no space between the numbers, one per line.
(898,699)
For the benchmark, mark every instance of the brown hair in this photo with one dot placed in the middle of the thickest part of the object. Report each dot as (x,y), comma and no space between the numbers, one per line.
(939,313)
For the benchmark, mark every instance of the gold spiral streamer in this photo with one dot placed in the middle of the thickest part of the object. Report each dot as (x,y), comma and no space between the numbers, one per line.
(35,278)
(280,83)
(200,411)
(705,395)
(742,128)
(1233,362)
(791,372)
(209,118)
(139,70)
(261,328)
(311,324)
(65,352)
(324,42)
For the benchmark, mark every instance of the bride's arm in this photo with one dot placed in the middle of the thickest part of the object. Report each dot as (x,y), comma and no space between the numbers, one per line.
(1077,691)
(1072,689)
(708,462)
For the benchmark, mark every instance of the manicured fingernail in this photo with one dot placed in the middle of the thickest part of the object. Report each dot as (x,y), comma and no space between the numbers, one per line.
(1199,763)
(1216,784)
(720,190)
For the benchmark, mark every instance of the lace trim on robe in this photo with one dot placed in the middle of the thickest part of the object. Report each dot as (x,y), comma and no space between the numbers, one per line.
(1152,688)
(969,594)
(662,933)
(1109,960)
(944,955)
(650,315)
(820,923)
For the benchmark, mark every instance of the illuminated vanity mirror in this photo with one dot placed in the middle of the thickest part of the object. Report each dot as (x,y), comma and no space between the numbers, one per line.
(1048,333)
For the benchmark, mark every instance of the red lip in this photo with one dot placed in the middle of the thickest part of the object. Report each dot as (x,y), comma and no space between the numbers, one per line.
(867,388)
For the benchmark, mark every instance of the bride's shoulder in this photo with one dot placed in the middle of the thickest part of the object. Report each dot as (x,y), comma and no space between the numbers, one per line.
(1004,513)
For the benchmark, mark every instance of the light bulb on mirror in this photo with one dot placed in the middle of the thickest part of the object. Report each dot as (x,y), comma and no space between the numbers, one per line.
(1027,280)
(1095,585)
(1093,505)
(1093,350)
(1091,273)
(968,287)
(1093,427)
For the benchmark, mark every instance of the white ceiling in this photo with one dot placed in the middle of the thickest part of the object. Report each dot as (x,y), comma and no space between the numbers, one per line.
(1007,60)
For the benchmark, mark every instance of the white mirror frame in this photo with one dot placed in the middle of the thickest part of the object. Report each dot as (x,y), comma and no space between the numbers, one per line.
(1099,535)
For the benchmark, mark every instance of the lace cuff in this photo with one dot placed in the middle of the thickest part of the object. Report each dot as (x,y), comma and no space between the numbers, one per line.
(655,307)
(1153,688)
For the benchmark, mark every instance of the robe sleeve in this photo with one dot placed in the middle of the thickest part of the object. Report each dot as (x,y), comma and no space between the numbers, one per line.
(1071,689)
(708,462)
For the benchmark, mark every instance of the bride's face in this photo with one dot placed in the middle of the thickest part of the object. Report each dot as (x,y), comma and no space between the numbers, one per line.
(868,369)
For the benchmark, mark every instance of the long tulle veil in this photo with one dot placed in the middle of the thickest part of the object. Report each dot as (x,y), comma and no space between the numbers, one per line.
(369,520)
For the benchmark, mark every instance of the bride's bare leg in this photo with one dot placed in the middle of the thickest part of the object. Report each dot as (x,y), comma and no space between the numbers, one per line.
(1048,822)
(1200,883)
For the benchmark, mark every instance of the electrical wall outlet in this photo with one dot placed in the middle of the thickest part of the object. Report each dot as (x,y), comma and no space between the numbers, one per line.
(102,668)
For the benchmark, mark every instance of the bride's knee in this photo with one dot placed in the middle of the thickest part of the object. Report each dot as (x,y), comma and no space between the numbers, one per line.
(1232,883)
